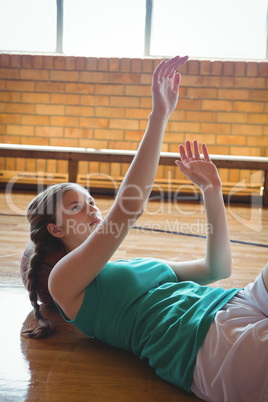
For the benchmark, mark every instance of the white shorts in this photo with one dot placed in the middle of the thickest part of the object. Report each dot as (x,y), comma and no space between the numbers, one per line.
(232,364)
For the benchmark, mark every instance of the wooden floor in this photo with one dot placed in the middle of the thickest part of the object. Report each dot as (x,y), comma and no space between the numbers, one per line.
(71,367)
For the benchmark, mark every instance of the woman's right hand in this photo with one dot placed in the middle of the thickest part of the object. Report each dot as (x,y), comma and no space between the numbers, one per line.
(203,173)
(165,87)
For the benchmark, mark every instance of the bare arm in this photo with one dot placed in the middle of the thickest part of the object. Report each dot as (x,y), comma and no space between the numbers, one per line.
(138,182)
(217,262)
(77,270)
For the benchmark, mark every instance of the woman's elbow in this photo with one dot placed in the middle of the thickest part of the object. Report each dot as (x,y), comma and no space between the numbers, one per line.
(226,269)
(219,270)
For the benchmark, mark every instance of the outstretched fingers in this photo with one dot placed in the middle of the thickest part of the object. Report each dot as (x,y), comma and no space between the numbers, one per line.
(173,64)
(168,68)
(196,150)
(188,149)
(187,154)
(205,153)
(195,153)
(183,156)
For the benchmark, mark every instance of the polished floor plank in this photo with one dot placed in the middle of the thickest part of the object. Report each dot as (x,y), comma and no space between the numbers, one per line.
(72,367)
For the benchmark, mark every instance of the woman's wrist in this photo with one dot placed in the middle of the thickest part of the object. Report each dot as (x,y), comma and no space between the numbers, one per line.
(158,117)
(212,189)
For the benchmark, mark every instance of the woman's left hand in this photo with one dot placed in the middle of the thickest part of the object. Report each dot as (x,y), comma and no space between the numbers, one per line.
(203,173)
(165,86)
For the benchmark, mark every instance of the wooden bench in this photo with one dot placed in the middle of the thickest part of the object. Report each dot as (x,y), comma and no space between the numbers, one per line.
(76,155)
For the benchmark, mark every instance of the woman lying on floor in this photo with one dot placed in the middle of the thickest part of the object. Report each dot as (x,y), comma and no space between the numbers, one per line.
(209,341)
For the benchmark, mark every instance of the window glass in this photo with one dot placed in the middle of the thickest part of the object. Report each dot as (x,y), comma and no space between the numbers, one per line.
(209,28)
(28,25)
(104,28)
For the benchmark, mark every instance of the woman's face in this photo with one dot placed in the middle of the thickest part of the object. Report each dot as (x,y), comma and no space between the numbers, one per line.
(77,216)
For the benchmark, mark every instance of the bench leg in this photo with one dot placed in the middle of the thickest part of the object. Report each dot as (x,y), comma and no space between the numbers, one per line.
(72,171)
(265,190)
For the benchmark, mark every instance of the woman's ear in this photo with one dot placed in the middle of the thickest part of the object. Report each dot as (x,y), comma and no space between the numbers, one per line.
(55,230)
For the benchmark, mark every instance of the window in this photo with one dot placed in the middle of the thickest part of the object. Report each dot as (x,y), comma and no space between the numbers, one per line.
(28,25)
(104,28)
(209,28)
(233,29)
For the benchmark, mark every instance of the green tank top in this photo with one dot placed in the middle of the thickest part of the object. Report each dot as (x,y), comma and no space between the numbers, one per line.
(139,305)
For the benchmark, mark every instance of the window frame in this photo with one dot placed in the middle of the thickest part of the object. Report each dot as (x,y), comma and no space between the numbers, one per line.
(59,42)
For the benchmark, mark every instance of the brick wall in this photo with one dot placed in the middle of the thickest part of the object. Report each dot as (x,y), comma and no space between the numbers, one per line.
(104,103)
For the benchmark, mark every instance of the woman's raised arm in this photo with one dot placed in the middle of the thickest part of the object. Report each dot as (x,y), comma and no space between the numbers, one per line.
(137,185)
(217,263)
(77,270)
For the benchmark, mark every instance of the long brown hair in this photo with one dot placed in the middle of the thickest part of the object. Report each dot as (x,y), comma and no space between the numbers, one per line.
(42,211)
